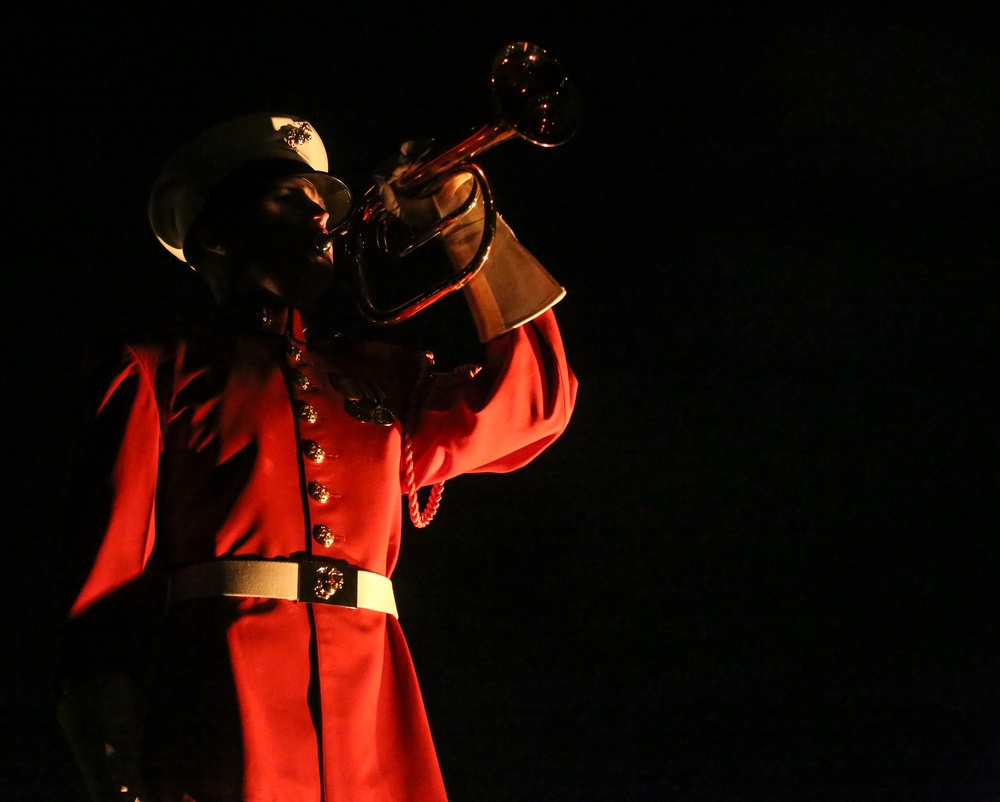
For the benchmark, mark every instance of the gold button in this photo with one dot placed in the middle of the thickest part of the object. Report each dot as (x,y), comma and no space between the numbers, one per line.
(308,413)
(294,353)
(313,450)
(319,492)
(301,380)
(323,535)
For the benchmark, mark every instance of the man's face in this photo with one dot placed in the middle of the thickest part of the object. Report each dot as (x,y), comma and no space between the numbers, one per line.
(276,243)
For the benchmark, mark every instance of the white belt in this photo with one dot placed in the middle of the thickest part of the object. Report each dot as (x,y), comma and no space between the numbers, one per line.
(311,581)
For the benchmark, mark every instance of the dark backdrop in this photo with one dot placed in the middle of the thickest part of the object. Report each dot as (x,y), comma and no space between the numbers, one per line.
(758,565)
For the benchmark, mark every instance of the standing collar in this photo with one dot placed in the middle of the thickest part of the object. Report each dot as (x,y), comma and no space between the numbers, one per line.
(265,312)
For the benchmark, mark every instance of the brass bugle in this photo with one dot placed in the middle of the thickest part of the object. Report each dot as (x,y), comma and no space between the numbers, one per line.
(534,101)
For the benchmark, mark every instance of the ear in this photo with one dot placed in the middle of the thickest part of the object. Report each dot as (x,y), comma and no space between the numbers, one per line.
(209,239)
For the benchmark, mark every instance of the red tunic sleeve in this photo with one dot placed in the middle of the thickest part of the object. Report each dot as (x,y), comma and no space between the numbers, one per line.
(118,472)
(504,416)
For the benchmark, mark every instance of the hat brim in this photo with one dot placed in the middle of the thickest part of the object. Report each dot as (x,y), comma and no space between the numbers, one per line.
(210,161)
(336,195)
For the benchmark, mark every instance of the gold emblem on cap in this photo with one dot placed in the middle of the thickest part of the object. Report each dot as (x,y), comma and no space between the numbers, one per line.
(297,133)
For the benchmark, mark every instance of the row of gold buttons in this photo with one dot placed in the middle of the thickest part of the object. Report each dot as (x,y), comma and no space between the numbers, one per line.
(312,450)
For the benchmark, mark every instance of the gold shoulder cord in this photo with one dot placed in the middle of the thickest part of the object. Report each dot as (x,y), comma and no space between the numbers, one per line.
(419,519)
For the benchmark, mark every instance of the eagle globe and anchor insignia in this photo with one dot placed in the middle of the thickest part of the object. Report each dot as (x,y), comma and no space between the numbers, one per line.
(369,410)
(328,581)
(363,400)
(297,133)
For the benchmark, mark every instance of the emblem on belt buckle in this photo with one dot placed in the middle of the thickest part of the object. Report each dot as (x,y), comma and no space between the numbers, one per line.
(328,581)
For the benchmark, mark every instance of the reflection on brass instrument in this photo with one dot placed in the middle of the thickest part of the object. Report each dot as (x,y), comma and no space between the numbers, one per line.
(534,101)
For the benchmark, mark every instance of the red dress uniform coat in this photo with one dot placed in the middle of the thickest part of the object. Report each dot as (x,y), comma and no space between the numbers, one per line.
(213,444)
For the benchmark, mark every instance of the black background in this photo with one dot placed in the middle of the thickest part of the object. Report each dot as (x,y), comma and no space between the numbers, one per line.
(759,564)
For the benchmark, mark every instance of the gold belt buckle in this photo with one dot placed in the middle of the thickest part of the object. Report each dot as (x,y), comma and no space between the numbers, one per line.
(328,582)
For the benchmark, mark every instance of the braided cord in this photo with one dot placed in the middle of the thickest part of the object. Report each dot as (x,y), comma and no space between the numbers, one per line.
(419,518)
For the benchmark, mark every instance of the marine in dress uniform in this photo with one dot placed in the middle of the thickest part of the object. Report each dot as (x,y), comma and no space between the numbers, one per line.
(233,633)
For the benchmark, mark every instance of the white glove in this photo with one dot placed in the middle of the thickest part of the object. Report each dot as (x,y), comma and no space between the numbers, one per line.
(512,287)
(421,212)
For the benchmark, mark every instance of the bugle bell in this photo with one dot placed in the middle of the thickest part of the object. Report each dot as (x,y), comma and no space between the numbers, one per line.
(534,101)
